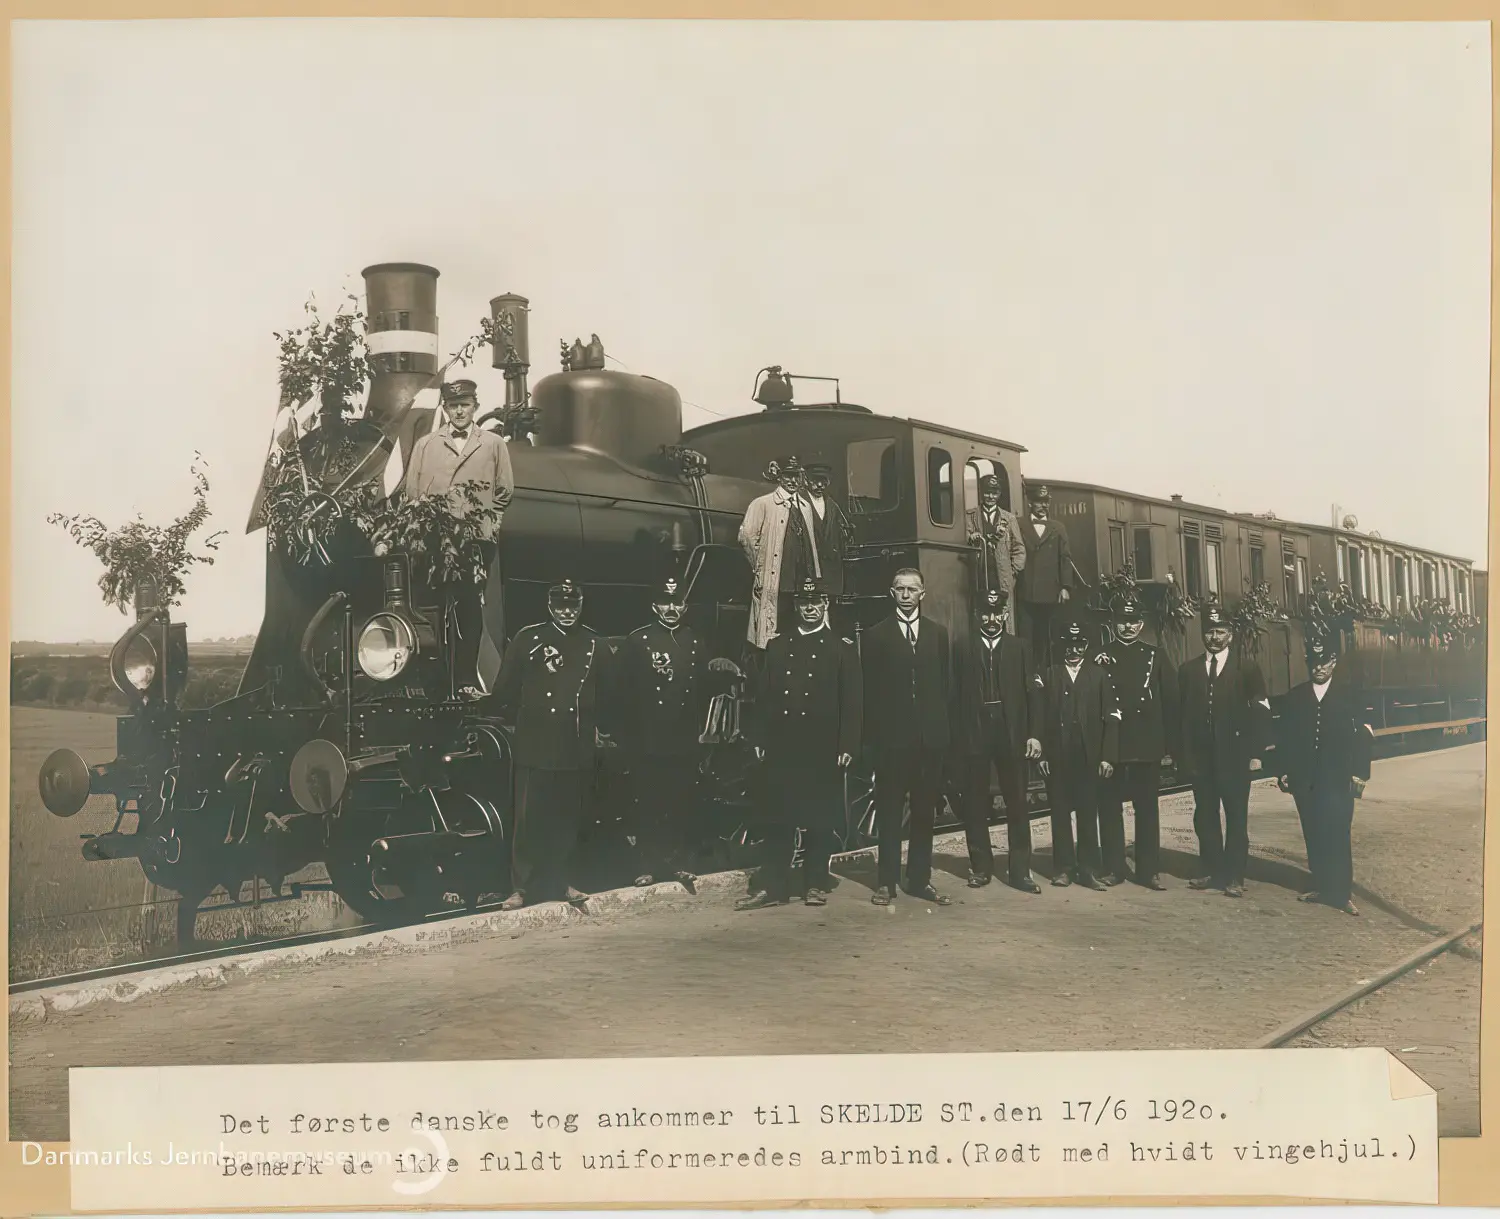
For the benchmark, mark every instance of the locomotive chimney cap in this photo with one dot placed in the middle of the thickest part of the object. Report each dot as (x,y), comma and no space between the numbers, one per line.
(419,267)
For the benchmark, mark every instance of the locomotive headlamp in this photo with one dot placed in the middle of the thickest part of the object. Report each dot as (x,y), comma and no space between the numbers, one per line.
(140,663)
(387,642)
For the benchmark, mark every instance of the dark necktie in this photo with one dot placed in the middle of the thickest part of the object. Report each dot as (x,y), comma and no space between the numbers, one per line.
(460,436)
(909,626)
(1213,672)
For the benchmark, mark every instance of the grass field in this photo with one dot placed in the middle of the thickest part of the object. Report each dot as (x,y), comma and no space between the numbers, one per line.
(67,913)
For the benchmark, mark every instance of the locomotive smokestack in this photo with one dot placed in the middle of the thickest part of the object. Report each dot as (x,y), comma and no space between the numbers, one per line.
(511,347)
(401,335)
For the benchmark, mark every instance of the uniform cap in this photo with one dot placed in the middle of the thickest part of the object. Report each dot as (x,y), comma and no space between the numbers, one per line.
(670,592)
(454,390)
(1321,648)
(1125,607)
(989,482)
(1038,493)
(811,590)
(565,592)
(1072,632)
(993,601)
(1213,616)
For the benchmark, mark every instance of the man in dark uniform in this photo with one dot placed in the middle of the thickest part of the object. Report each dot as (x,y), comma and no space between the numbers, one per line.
(1080,743)
(829,534)
(1225,729)
(659,714)
(908,688)
(549,680)
(1000,708)
(1324,745)
(1145,685)
(1048,578)
(806,726)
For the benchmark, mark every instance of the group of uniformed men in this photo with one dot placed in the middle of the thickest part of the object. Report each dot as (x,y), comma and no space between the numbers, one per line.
(1099,722)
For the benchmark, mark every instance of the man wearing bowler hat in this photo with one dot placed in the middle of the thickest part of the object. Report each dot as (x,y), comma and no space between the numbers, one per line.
(1324,744)
(999,723)
(1145,685)
(1048,578)
(805,727)
(1224,733)
(548,688)
(460,454)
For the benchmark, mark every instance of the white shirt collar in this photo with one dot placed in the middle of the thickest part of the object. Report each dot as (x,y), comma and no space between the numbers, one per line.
(1208,660)
(1073,669)
(802,630)
(1319,691)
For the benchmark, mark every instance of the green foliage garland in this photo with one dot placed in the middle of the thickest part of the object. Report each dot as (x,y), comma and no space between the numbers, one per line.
(327,358)
(138,553)
(448,537)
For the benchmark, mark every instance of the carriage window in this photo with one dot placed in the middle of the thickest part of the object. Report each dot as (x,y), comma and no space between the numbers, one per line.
(940,486)
(1143,569)
(1257,566)
(1211,567)
(871,466)
(1192,567)
(1117,548)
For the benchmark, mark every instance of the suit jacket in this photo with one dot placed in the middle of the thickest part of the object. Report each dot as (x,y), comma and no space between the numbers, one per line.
(549,681)
(1020,690)
(1145,684)
(1005,549)
(808,701)
(763,537)
(1242,717)
(660,697)
(1320,746)
(439,463)
(827,535)
(908,695)
(1049,562)
(1091,706)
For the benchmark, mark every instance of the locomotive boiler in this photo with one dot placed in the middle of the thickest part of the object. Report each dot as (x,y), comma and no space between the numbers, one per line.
(347,743)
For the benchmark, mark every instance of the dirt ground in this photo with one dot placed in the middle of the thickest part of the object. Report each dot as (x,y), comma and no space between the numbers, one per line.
(999,970)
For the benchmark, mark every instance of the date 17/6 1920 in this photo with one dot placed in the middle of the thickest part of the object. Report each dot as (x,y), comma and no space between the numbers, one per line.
(1090,1112)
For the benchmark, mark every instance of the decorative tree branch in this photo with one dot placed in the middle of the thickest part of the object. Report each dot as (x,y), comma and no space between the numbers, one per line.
(325,358)
(448,536)
(138,553)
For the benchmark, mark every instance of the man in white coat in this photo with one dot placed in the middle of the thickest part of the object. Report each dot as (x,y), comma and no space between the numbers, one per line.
(774,526)
(457,453)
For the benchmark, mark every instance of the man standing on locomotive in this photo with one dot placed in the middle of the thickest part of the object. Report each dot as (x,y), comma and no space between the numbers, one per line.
(1225,729)
(1324,744)
(549,681)
(1002,550)
(770,534)
(806,727)
(461,454)
(660,710)
(1048,579)
(1080,744)
(829,534)
(1146,686)
(908,690)
(1000,716)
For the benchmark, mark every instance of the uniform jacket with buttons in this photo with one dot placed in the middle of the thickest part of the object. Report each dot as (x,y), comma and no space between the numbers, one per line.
(1145,684)
(660,703)
(1322,745)
(549,682)
(995,688)
(808,699)
(908,694)
(1087,701)
(1241,721)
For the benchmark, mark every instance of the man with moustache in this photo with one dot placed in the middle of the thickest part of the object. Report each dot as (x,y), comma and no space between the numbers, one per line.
(1324,745)
(660,710)
(549,680)
(1145,685)
(772,535)
(805,726)
(1047,581)
(1225,730)
(908,691)
(1000,707)
(1080,744)
(828,532)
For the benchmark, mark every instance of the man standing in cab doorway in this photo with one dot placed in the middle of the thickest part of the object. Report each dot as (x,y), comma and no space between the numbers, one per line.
(908,685)
(549,679)
(1225,730)
(1047,581)
(1145,685)
(459,454)
(829,534)
(1080,744)
(1002,550)
(1324,744)
(805,726)
(1000,708)
(660,711)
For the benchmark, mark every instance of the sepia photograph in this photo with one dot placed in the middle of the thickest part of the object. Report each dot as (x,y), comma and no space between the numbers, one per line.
(601,539)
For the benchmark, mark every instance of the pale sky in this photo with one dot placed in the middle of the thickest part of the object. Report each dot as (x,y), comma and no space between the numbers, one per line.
(1245,263)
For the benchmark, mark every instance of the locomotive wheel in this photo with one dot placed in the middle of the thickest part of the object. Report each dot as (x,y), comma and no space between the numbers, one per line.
(383,899)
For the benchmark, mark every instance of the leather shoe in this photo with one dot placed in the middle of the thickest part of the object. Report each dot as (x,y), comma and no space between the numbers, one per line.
(978,880)
(1027,884)
(1154,882)
(883,896)
(1112,880)
(1349,908)
(1092,882)
(815,897)
(576,897)
(1062,880)
(1203,882)
(1308,897)
(930,894)
(688,881)
(514,902)
(1234,890)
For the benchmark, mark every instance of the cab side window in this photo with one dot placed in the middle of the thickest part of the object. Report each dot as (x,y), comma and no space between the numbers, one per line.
(940,486)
